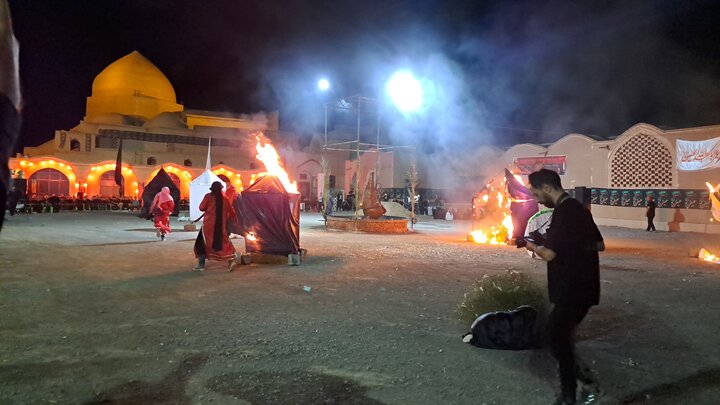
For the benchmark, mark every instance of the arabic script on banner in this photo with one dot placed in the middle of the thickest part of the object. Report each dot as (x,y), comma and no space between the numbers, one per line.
(528,165)
(698,155)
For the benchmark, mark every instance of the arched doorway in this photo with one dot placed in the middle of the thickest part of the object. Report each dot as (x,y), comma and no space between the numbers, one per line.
(224,178)
(108,187)
(48,182)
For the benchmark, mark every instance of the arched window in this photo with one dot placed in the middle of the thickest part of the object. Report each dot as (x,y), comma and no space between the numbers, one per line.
(175,179)
(108,187)
(75,145)
(187,163)
(48,181)
(151,161)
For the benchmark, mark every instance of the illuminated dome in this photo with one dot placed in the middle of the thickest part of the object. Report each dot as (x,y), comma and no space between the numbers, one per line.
(133,86)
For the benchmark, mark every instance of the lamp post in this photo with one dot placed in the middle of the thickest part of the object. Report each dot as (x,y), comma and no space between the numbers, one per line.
(406,93)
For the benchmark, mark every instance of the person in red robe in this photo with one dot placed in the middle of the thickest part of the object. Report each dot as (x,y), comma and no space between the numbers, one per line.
(161,207)
(213,241)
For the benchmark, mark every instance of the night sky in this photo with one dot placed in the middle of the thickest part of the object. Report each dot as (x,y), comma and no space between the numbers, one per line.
(497,72)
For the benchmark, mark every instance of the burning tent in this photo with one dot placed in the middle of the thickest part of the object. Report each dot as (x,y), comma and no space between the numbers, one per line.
(522,204)
(271,217)
(502,212)
(161,179)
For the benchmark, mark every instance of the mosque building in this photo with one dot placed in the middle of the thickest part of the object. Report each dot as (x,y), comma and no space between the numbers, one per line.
(133,100)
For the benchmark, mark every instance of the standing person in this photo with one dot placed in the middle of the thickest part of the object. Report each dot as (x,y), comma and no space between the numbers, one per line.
(10,101)
(162,206)
(13,199)
(650,213)
(213,242)
(570,248)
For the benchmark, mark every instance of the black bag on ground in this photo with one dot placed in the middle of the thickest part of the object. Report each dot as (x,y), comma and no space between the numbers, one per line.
(506,330)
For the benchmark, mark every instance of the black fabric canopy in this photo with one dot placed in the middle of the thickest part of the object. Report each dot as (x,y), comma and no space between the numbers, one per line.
(272,215)
(161,179)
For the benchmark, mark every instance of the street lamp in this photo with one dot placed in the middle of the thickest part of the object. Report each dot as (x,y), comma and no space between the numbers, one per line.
(406,93)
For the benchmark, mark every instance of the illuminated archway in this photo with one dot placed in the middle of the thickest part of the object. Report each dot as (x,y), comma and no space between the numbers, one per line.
(94,187)
(230,176)
(28,167)
(48,182)
(182,178)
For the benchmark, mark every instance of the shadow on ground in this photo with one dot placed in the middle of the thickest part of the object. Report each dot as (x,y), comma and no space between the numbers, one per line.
(677,392)
(170,390)
(289,388)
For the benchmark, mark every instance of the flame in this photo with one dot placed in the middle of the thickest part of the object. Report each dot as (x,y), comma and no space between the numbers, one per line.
(708,257)
(496,235)
(251,236)
(270,158)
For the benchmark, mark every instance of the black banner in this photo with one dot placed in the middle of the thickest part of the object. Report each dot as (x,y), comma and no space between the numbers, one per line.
(689,199)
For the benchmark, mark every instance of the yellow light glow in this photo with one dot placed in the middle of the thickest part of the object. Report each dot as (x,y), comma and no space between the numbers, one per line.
(23,163)
(90,177)
(135,183)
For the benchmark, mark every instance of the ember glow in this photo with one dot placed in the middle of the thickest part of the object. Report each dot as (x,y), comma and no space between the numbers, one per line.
(268,155)
(708,257)
(714,203)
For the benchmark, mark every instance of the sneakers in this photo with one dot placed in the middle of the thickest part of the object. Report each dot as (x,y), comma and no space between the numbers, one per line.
(199,268)
(589,393)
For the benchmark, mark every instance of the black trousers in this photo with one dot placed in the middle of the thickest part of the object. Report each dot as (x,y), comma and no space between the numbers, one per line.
(562,322)
(650,224)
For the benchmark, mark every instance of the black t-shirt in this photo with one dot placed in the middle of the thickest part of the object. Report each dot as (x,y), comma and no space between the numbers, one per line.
(650,209)
(574,274)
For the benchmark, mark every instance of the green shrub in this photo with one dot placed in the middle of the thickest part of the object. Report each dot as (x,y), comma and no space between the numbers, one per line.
(502,292)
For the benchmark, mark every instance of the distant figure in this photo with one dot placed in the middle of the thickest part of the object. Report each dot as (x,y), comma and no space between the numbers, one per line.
(13,198)
(10,101)
(351,200)
(162,206)
(212,241)
(570,248)
(650,213)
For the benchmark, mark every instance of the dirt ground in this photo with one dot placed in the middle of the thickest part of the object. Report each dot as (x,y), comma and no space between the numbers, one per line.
(95,310)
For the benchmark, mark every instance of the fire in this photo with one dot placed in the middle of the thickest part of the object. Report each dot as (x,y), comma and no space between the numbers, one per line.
(267,154)
(496,211)
(708,257)
(251,236)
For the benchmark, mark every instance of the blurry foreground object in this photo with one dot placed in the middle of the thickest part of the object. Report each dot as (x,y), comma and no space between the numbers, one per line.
(9,101)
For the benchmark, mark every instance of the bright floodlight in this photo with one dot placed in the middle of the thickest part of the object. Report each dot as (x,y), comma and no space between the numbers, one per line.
(323,84)
(405,91)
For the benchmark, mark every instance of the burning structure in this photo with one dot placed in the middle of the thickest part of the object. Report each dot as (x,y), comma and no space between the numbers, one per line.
(270,207)
(501,213)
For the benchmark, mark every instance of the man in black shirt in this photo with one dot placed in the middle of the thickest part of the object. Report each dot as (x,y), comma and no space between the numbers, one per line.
(650,213)
(570,248)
